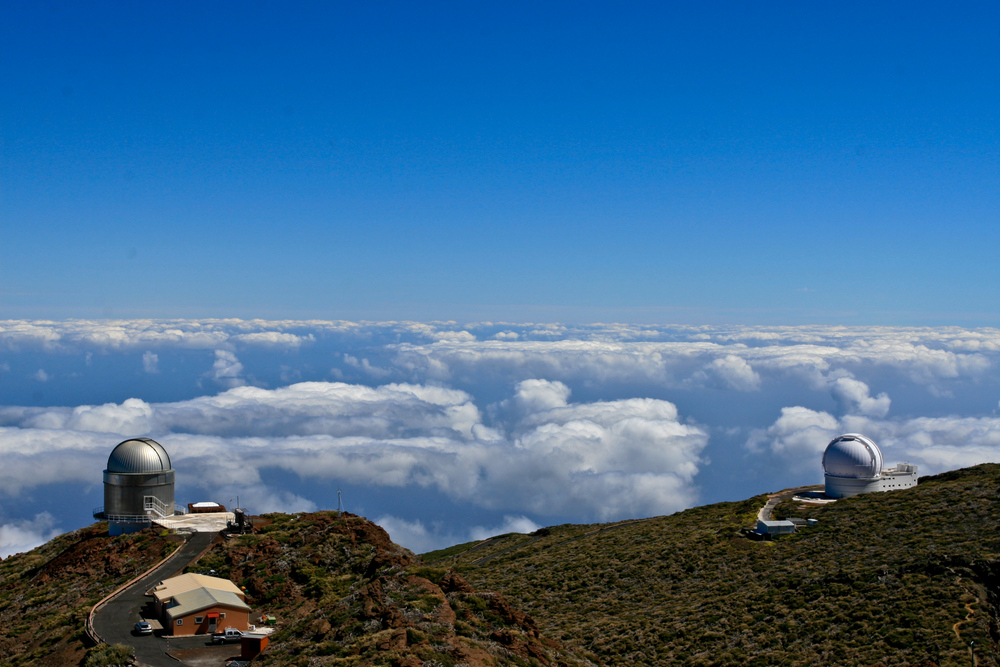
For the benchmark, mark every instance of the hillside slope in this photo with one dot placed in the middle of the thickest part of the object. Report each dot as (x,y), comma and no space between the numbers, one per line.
(46,594)
(345,594)
(908,577)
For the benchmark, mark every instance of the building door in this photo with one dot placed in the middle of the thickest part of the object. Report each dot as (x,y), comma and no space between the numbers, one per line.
(213,622)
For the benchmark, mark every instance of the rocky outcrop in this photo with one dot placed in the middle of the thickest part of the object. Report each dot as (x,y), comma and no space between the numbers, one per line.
(341,588)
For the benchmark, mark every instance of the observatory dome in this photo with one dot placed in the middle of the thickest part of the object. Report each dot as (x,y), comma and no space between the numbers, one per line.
(139,455)
(852,455)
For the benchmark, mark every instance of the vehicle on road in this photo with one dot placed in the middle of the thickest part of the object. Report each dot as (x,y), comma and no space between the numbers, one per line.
(229,635)
(143,628)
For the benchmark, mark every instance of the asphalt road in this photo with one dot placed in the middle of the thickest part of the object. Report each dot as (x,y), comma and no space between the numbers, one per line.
(115,620)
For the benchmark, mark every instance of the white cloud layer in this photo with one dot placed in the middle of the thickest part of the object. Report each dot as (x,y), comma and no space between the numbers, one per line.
(419,538)
(514,419)
(25,535)
(227,369)
(602,459)
(799,436)
(705,360)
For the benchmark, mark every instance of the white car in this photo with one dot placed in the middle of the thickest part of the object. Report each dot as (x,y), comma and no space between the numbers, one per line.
(143,628)
(230,635)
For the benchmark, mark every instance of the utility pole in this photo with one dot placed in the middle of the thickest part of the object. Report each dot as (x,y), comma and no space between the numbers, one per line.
(340,503)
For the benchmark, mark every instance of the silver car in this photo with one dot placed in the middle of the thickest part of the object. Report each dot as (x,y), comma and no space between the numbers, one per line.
(143,628)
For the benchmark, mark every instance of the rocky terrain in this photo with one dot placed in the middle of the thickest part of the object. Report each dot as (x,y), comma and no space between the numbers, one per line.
(345,594)
(46,594)
(910,577)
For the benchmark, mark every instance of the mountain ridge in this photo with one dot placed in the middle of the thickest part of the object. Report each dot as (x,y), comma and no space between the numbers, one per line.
(883,578)
(901,578)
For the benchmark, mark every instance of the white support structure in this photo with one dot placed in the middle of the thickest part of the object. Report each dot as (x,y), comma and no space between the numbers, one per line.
(156,506)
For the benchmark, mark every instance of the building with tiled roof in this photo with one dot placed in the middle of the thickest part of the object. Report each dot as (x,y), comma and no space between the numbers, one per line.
(192,604)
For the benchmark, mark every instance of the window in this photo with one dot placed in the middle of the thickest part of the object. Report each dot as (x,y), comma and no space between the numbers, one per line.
(222,614)
(198,619)
(180,621)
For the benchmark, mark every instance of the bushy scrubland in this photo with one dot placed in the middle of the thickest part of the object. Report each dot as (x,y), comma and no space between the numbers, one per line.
(906,577)
(46,594)
(344,594)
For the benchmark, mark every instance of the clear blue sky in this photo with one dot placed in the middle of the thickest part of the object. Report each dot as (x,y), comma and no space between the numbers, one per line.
(759,162)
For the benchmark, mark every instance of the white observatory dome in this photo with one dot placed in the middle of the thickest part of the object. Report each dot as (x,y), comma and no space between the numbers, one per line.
(139,455)
(852,455)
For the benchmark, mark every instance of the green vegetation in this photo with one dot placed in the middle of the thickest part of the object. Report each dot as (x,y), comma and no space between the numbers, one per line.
(345,594)
(896,578)
(104,654)
(442,554)
(47,593)
(902,578)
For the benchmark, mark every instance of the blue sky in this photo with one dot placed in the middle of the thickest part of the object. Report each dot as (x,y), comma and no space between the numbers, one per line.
(759,163)
(368,246)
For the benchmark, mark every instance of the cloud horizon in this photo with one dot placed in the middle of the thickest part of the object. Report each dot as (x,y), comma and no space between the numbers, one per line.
(489,424)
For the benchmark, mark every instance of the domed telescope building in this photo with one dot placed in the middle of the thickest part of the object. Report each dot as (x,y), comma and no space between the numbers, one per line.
(852,464)
(138,486)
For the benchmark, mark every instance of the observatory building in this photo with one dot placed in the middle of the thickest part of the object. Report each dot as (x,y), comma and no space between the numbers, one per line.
(853,465)
(138,486)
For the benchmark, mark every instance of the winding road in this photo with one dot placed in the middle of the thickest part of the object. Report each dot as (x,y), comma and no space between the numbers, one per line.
(773,499)
(115,619)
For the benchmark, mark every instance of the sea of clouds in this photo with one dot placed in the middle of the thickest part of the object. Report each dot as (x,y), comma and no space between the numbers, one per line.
(445,432)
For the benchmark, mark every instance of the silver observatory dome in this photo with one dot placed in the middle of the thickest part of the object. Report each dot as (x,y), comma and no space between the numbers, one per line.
(852,455)
(138,486)
(139,455)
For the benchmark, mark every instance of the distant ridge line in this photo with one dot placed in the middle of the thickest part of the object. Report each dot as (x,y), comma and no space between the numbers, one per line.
(535,538)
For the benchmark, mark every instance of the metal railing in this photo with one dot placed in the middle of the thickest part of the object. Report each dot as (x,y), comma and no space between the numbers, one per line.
(156,506)
(120,518)
(150,505)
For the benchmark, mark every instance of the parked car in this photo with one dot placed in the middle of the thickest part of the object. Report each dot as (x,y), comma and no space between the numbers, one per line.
(230,635)
(143,628)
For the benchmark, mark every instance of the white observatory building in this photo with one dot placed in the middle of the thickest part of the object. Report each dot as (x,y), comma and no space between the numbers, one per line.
(138,486)
(853,464)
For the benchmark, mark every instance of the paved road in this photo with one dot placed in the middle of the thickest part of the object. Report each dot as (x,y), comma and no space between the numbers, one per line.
(115,620)
(765,512)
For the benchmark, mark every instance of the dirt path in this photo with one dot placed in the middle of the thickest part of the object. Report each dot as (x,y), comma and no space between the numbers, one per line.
(969,611)
(763,515)
(773,499)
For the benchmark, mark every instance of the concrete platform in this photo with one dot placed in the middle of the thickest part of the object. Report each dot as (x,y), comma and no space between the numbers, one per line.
(210,522)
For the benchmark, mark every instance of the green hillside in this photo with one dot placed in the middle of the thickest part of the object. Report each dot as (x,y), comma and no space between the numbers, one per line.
(46,594)
(903,578)
(344,594)
(907,577)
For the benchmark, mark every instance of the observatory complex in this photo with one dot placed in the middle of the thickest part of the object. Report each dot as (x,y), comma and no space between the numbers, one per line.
(138,486)
(853,465)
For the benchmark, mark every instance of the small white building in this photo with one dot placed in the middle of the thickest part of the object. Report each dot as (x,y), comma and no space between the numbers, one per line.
(852,464)
(775,527)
